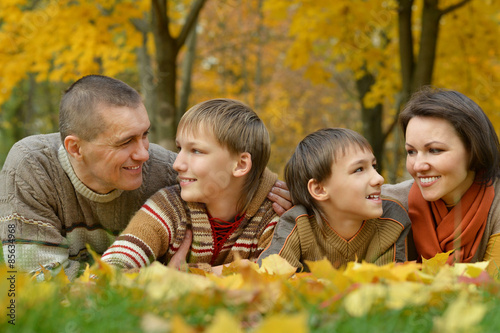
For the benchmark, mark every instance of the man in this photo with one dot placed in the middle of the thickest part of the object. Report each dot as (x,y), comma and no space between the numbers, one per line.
(56,198)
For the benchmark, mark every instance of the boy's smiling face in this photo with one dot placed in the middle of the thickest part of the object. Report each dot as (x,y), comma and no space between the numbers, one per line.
(205,169)
(353,189)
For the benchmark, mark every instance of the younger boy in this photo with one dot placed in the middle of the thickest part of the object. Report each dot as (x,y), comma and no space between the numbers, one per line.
(334,184)
(224,148)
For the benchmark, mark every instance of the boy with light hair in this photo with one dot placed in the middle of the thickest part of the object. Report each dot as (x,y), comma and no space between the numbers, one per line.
(224,148)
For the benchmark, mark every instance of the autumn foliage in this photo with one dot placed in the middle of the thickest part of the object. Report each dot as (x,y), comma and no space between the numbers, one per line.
(409,297)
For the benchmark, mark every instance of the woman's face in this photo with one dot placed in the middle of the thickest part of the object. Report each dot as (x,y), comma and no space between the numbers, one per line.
(437,159)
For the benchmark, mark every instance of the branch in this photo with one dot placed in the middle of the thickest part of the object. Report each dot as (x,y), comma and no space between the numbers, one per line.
(190,22)
(451,8)
(140,24)
(161,14)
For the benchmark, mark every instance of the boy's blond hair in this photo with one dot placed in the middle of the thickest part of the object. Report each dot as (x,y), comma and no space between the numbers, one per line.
(314,157)
(237,128)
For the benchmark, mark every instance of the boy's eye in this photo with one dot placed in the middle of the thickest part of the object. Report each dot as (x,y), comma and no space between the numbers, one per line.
(360,169)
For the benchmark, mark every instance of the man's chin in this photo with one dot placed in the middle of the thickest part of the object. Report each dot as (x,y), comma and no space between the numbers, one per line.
(130,186)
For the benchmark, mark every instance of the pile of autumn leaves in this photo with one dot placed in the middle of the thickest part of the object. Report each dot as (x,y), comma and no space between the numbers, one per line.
(273,298)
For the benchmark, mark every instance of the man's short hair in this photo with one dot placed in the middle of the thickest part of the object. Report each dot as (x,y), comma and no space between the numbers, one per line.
(79,110)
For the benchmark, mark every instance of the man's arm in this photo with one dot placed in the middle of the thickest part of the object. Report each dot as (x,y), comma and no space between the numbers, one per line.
(29,226)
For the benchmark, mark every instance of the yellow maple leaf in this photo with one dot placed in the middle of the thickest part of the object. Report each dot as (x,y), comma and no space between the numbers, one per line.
(224,322)
(359,302)
(101,268)
(404,294)
(86,275)
(433,265)
(282,323)
(470,269)
(180,326)
(276,265)
(228,282)
(323,269)
(162,282)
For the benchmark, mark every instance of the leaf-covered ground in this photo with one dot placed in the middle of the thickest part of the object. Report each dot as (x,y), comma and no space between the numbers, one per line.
(431,297)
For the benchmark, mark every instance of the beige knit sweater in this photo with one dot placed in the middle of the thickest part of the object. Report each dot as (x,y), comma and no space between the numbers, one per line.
(47,215)
(300,237)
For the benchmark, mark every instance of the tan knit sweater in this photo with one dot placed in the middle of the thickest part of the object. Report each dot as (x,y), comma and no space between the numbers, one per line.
(47,215)
(158,229)
(299,236)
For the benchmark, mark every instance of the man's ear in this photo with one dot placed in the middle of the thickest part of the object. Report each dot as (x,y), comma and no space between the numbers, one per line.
(243,165)
(72,144)
(317,190)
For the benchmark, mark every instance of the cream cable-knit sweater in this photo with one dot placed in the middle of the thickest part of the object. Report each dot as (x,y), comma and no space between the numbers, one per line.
(47,215)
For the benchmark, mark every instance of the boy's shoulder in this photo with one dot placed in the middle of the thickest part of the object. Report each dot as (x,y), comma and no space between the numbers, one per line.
(294,213)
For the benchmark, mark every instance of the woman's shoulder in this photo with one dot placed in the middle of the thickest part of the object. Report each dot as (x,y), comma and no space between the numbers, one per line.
(398,191)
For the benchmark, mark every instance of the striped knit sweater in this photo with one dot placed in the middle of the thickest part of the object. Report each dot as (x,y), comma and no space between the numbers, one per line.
(300,237)
(158,229)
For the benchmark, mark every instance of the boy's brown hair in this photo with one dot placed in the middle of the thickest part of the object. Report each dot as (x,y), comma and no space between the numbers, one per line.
(314,157)
(237,128)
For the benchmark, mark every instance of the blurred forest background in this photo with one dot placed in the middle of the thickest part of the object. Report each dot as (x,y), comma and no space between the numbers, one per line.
(301,64)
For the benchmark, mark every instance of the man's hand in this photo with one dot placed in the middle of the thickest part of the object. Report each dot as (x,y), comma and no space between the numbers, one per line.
(179,258)
(280,196)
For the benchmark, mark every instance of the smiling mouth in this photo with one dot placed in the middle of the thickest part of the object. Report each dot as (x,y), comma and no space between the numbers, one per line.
(132,168)
(373,196)
(186,180)
(428,180)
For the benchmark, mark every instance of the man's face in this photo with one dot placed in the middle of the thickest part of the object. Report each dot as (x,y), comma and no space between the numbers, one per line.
(114,159)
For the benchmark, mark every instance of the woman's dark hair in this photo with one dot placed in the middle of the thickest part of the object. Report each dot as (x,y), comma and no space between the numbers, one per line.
(469,121)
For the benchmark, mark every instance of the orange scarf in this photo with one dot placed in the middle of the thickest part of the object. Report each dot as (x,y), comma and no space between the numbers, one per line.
(436,230)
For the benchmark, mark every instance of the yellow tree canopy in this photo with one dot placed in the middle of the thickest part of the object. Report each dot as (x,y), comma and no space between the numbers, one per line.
(60,40)
(361,36)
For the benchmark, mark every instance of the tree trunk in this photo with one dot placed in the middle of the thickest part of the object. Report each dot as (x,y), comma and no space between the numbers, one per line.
(187,70)
(163,115)
(146,74)
(372,119)
(406,56)
(431,16)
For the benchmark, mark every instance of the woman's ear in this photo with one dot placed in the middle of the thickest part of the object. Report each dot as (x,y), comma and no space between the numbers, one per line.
(317,190)
(72,144)
(243,165)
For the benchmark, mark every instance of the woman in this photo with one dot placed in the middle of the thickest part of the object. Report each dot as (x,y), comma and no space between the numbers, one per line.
(453,155)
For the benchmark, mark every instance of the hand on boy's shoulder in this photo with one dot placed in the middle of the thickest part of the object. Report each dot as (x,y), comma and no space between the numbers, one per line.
(280,196)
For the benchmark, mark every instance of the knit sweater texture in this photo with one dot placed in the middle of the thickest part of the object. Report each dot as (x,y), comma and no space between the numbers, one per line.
(301,236)
(47,215)
(400,192)
(159,227)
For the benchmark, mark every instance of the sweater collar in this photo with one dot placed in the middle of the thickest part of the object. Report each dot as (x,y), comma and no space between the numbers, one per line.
(81,187)
(266,183)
